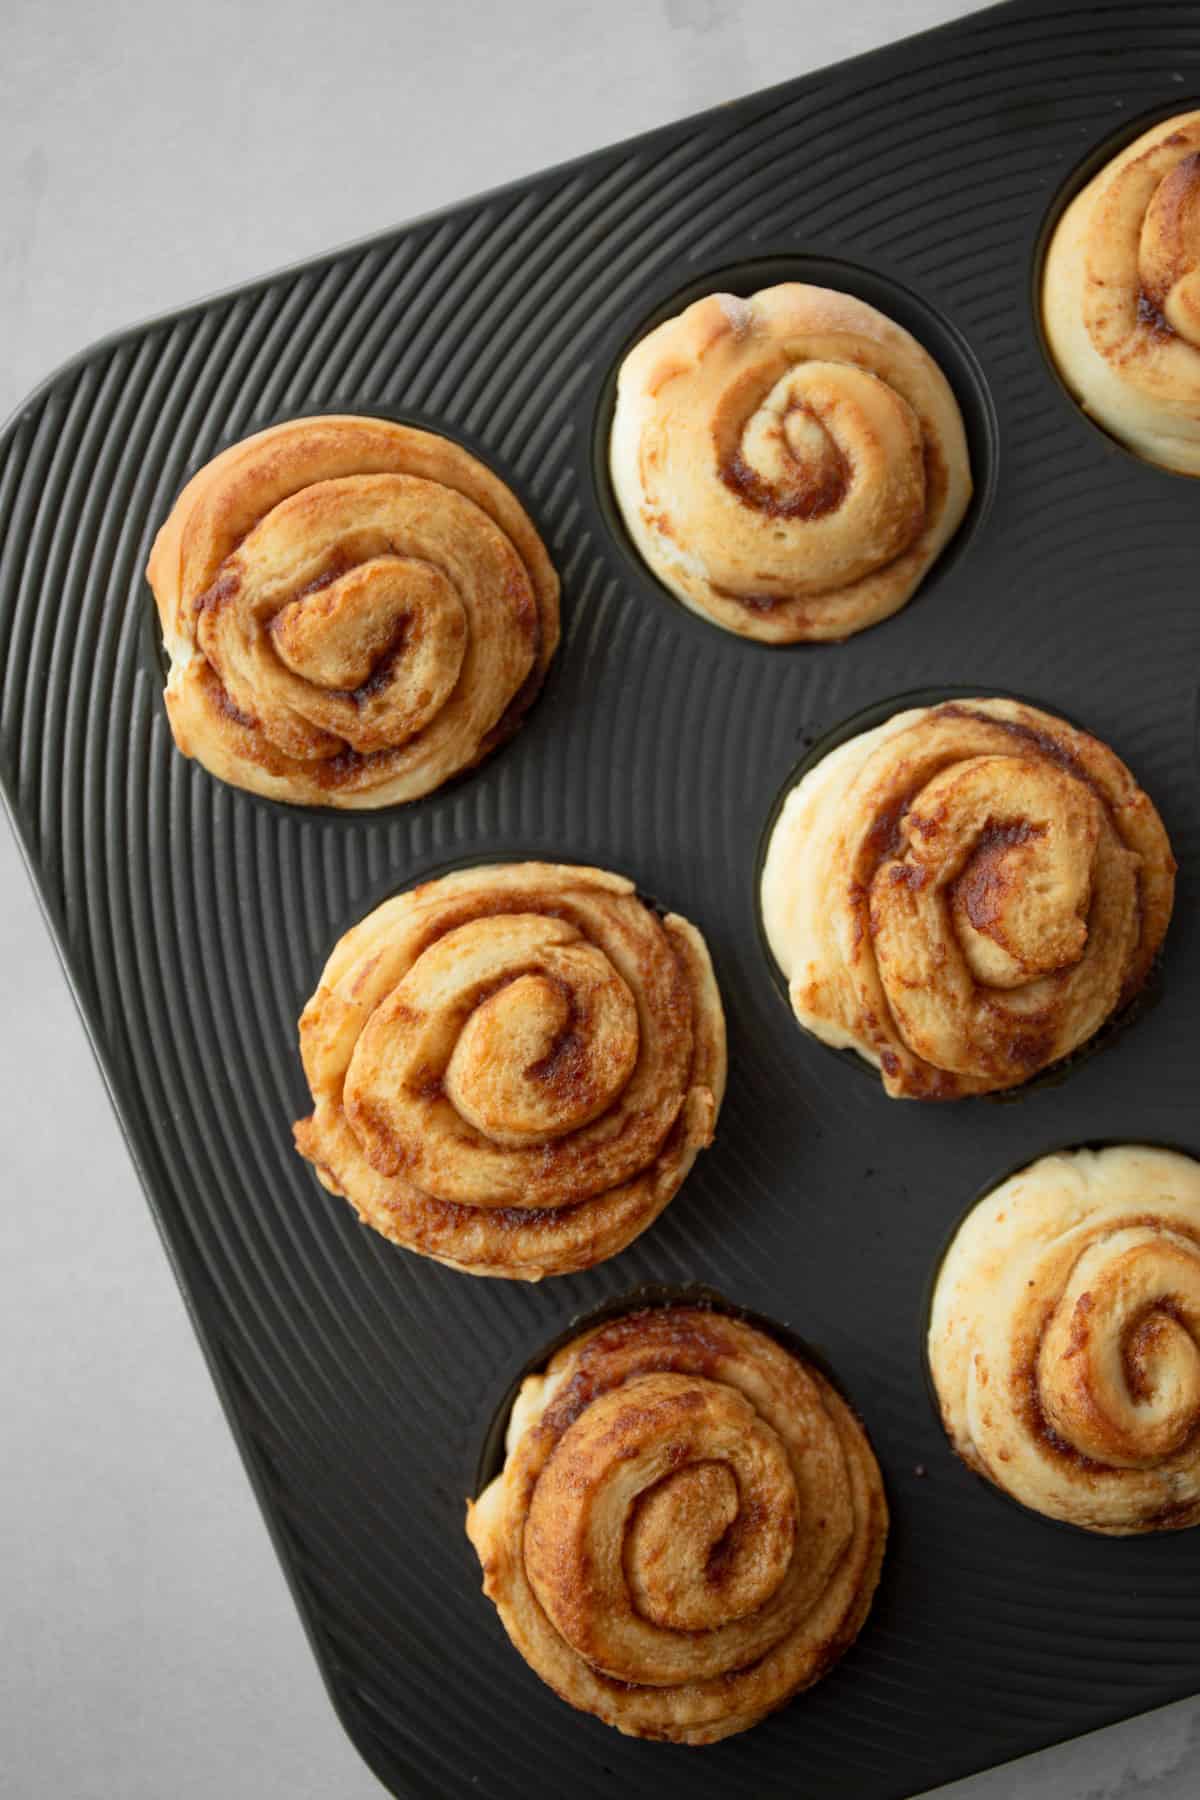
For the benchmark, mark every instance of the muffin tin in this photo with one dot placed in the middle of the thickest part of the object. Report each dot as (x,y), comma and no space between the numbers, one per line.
(193,919)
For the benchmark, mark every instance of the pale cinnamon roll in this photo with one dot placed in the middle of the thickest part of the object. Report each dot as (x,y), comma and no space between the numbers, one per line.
(688,1528)
(965,895)
(1121,295)
(514,1067)
(354,611)
(1064,1339)
(788,465)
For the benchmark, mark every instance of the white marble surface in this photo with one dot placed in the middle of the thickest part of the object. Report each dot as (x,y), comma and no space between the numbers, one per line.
(151,151)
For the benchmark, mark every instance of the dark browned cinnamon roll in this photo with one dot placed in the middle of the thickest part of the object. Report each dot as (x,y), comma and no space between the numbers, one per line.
(354,611)
(689,1526)
(514,1067)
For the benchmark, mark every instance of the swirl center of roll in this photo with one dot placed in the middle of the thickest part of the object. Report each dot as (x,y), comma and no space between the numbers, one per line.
(1169,250)
(1119,1365)
(383,642)
(785,459)
(687,1542)
(342,619)
(1001,913)
(824,435)
(668,1506)
(506,1068)
(1011,845)
(1013,841)
(547,1052)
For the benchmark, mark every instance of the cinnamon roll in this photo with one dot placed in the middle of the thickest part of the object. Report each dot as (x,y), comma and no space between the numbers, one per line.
(1064,1339)
(1121,295)
(965,894)
(513,1067)
(788,465)
(688,1528)
(354,611)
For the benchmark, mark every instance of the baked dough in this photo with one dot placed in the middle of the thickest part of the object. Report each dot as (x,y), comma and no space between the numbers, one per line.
(688,1528)
(1121,295)
(1064,1338)
(513,1067)
(965,894)
(788,465)
(354,611)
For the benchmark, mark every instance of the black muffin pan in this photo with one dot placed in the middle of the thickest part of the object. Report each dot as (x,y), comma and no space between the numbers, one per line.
(361,1382)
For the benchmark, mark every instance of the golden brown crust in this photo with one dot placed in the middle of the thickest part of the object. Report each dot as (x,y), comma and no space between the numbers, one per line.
(789,465)
(513,1068)
(689,1526)
(966,894)
(354,610)
(1064,1339)
(1121,295)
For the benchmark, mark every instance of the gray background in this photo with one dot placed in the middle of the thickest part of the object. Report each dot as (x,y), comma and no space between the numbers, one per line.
(150,153)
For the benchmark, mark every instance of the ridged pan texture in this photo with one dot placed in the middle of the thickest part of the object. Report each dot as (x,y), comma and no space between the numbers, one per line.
(195,919)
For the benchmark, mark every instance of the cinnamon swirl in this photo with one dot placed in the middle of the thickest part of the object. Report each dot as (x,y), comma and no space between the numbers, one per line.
(688,1528)
(354,610)
(513,1068)
(1064,1339)
(965,894)
(1121,295)
(789,465)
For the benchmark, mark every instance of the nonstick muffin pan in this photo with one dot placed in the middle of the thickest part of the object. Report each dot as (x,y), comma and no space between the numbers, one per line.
(192,919)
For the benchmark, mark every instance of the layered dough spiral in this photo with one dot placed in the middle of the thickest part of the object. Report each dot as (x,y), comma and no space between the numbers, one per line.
(1064,1339)
(513,1067)
(965,894)
(354,611)
(788,465)
(1121,295)
(688,1528)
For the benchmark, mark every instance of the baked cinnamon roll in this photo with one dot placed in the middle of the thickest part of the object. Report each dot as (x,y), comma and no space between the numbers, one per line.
(965,894)
(1064,1339)
(788,465)
(513,1068)
(1121,295)
(354,610)
(688,1528)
